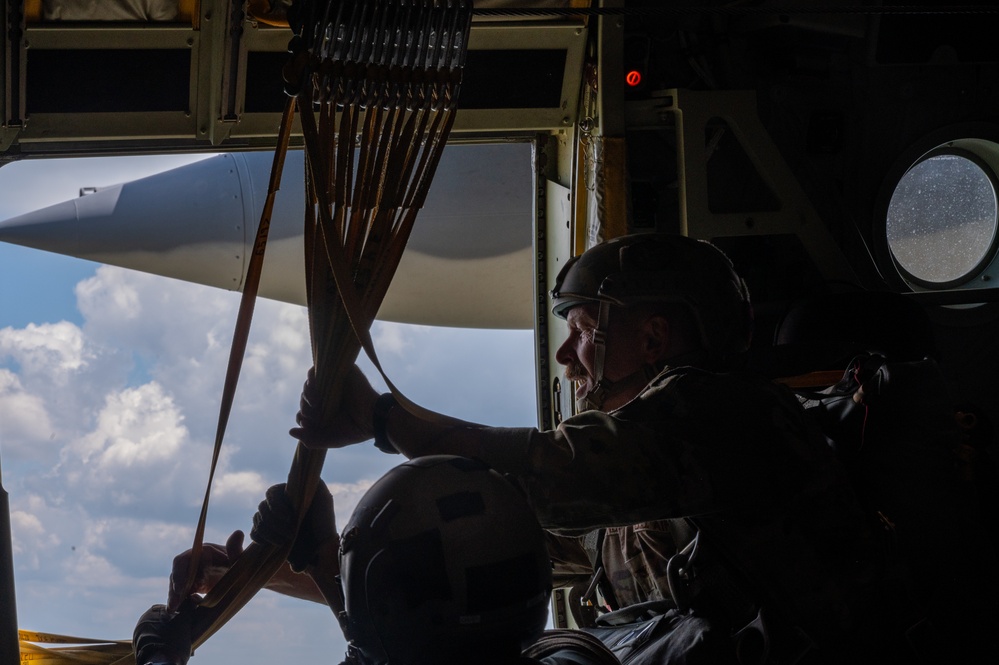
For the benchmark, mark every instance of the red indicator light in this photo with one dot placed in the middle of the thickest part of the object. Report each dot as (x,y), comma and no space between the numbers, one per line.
(633,78)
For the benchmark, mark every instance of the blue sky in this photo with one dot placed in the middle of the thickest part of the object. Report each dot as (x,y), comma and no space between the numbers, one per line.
(109,387)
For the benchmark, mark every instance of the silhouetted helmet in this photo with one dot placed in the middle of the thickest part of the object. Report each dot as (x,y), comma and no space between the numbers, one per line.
(661,268)
(442,559)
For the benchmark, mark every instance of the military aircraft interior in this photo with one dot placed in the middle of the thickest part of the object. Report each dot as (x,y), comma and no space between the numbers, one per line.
(845,155)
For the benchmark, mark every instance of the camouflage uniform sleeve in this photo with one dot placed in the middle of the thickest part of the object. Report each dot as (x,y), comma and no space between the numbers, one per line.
(692,444)
(684,447)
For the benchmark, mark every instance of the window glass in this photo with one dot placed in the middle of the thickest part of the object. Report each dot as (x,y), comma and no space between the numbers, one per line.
(942,219)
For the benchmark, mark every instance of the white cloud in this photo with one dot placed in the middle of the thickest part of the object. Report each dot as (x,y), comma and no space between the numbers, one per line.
(31,537)
(153,315)
(244,483)
(345,498)
(87,562)
(138,427)
(112,288)
(55,347)
(34,541)
(137,458)
(27,525)
(392,338)
(23,418)
(62,373)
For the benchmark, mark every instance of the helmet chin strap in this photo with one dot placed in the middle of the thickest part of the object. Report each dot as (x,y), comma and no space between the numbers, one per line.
(595,398)
(604,387)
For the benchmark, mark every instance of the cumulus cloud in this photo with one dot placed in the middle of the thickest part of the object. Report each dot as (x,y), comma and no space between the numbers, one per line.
(24,420)
(136,458)
(244,483)
(56,348)
(138,427)
(31,537)
(182,341)
(152,315)
(393,338)
(62,376)
(40,529)
(346,496)
(86,565)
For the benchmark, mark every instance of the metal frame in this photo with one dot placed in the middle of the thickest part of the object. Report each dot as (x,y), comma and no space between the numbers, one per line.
(219,41)
(976,141)
(691,111)
(983,268)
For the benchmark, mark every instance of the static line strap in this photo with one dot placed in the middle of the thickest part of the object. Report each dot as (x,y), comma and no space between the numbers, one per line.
(337,264)
(242,331)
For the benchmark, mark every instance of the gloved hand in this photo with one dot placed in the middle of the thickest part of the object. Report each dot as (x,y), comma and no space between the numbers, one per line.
(352,424)
(274,524)
(162,637)
(214,562)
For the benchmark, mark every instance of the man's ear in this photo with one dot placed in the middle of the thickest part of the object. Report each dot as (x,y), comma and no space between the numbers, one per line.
(655,338)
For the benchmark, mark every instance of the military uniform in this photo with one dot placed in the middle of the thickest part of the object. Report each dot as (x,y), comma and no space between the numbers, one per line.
(730,454)
(634,559)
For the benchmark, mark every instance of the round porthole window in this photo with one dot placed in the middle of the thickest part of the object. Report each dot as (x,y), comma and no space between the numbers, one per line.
(942,218)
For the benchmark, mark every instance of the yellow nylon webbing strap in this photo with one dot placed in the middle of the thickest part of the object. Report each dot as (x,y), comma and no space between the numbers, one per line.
(84,650)
(258,563)
(55,638)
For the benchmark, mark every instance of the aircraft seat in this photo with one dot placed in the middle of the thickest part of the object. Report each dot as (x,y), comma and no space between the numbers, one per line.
(825,332)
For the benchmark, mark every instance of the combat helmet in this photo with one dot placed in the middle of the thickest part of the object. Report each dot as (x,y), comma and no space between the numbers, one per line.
(656,267)
(441,559)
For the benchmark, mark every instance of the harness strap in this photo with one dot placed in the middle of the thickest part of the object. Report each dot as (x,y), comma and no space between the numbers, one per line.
(593,543)
(595,398)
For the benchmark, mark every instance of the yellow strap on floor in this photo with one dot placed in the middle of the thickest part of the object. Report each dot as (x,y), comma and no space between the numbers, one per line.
(75,650)
(52,638)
